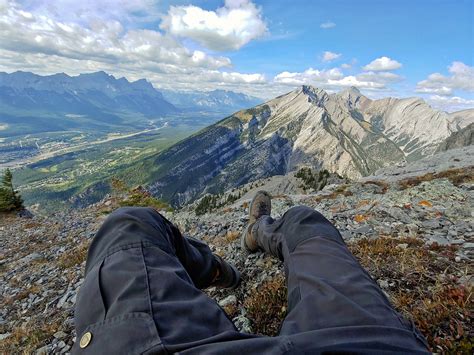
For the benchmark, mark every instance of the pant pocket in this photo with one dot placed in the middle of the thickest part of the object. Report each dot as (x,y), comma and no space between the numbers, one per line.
(90,306)
(132,333)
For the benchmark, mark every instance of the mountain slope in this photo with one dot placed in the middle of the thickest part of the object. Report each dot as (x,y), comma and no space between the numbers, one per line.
(59,102)
(345,133)
(462,138)
(216,100)
(415,241)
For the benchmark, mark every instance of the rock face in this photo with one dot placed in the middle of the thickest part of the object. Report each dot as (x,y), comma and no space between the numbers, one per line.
(345,133)
(462,138)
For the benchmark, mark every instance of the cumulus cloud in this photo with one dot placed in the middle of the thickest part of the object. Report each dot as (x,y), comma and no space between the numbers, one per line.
(330,56)
(351,80)
(228,28)
(382,64)
(29,33)
(335,79)
(461,78)
(450,104)
(85,11)
(34,40)
(328,24)
(379,77)
(309,76)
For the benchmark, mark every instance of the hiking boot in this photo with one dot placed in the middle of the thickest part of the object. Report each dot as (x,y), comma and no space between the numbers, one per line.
(261,205)
(227,275)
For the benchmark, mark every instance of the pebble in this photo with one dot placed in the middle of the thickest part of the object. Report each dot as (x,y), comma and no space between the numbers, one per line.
(4,336)
(60,335)
(231,299)
(439,240)
(365,229)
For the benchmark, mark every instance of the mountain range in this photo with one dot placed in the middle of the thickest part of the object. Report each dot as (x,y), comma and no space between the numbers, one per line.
(345,133)
(216,100)
(31,103)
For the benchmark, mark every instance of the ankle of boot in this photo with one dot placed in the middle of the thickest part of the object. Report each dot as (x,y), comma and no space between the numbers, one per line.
(257,228)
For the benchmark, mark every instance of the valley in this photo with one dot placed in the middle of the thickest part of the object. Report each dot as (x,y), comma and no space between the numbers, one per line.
(73,168)
(66,136)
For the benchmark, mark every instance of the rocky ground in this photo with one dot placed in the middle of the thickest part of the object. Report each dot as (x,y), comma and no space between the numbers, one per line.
(414,235)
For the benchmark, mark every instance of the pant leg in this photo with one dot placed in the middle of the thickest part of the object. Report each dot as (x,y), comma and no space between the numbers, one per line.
(141,291)
(327,288)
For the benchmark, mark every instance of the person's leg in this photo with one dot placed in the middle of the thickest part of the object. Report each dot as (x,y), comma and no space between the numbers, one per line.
(327,287)
(141,290)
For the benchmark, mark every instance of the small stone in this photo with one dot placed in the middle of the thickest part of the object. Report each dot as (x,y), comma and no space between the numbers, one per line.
(31,257)
(346,235)
(61,344)
(4,336)
(65,349)
(399,215)
(468,245)
(60,335)
(439,240)
(432,223)
(228,301)
(242,324)
(363,229)
(383,283)
(42,351)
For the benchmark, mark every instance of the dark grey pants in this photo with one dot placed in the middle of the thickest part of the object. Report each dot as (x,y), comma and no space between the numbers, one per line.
(142,293)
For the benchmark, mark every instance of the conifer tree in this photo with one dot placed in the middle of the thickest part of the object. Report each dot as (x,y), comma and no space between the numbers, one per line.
(10,200)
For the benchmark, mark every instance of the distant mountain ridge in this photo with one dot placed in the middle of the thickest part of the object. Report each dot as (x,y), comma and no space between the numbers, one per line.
(35,103)
(97,89)
(59,102)
(345,133)
(216,100)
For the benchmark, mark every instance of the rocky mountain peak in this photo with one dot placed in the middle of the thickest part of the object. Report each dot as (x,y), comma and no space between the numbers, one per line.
(352,97)
(315,95)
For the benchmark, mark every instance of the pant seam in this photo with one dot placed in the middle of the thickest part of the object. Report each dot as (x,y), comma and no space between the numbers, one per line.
(147,281)
(142,248)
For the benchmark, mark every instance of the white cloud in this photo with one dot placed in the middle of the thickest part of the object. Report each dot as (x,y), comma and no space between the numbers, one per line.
(450,104)
(355,81)
(379,77)
(228,28)
(102,41)
(328,24)
(346,66)
(85,11)
(461,78)
(382,64)
(335,79)
(309,76)
(36,41)
(330,56)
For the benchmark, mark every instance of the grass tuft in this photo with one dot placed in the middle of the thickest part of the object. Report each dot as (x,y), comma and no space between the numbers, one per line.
(424,286)
(75,256)
(456,176)
(266,306)
(381,184)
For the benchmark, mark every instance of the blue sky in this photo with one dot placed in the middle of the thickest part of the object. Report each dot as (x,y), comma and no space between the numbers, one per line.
(263,48)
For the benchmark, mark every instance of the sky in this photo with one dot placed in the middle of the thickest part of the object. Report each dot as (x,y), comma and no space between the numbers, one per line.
(263,48)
